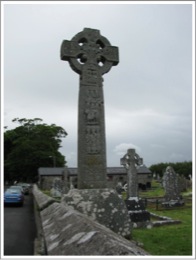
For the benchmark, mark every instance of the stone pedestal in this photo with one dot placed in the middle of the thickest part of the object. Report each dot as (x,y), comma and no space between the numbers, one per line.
(139,216)
(103,206)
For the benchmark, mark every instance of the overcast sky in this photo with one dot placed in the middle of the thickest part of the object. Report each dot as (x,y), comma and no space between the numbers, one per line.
(148,95)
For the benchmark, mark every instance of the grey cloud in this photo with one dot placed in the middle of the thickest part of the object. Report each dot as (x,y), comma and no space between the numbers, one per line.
(148,96)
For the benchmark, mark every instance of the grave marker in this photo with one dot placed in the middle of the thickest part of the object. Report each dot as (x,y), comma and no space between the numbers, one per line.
(129,161)
(90,55)
(171,184)
(135,205)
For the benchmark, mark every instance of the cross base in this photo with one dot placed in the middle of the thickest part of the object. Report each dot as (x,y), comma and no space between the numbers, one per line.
(138,214)
(103,206)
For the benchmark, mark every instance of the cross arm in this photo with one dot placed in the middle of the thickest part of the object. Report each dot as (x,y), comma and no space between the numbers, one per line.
(69,49)
(69,52)
(111,54)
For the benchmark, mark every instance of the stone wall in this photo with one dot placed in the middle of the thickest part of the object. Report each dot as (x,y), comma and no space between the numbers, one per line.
(68,232)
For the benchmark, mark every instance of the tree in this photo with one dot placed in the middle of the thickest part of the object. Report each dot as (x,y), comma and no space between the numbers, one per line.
(182,168)
(29,146)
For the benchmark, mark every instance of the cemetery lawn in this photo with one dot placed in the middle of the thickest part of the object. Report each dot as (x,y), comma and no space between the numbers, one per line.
(170,240)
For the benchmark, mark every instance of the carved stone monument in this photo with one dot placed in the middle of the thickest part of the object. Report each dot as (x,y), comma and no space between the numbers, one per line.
(129,161)
(90,55)
(172,186)
(136,207)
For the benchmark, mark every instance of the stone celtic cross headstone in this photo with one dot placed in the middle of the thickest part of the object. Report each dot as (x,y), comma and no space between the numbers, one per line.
(136,207)
(90,55)
(129,161)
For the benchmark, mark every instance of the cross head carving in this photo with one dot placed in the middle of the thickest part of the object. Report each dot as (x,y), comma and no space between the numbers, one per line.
(89,48)
(131,157)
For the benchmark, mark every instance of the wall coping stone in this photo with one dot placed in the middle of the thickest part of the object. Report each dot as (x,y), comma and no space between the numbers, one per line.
(42,200)
(69,232)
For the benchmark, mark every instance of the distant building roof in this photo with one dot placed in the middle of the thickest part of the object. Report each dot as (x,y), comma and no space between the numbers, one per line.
(143,169)
(49,171)
(73,171)
(116,170)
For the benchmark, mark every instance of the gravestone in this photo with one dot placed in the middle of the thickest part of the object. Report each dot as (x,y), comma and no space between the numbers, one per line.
(57,188)
(60,184)
(91,55)
(135,205)
(129,161)
(171,184)
(66,182)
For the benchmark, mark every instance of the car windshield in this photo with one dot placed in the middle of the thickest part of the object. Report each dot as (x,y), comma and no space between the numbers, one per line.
(16,187)
(21,184)
(13,191)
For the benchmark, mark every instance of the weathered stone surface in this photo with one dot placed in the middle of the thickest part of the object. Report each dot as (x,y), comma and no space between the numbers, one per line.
(68,232)
(172,186)
(102,205)
(136,208)
(129,160)
(57,188)
(55,193)
(90,55)
(137,212)
(41,199)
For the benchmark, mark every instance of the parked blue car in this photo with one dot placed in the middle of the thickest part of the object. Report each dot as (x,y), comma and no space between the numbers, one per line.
(13,196)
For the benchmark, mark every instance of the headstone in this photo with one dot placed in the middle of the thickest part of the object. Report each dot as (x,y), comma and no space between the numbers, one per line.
(129,161)
(135,205)
(66,183)
(60,184)
(171,184)
(57,188)
(90,55)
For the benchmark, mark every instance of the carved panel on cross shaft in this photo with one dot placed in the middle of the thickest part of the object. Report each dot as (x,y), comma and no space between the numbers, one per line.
(91,75)
(92,116)
(93,105)
(93,139)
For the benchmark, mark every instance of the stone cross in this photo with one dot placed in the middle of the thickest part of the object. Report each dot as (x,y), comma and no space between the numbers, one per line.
(90,55)
(129,161)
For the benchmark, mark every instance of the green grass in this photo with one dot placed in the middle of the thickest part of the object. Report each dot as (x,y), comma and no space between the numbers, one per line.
(168,240)
(46,192)
(155,191)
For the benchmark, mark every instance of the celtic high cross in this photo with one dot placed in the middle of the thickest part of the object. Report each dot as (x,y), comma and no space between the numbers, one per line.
(90,55)
(130,160)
